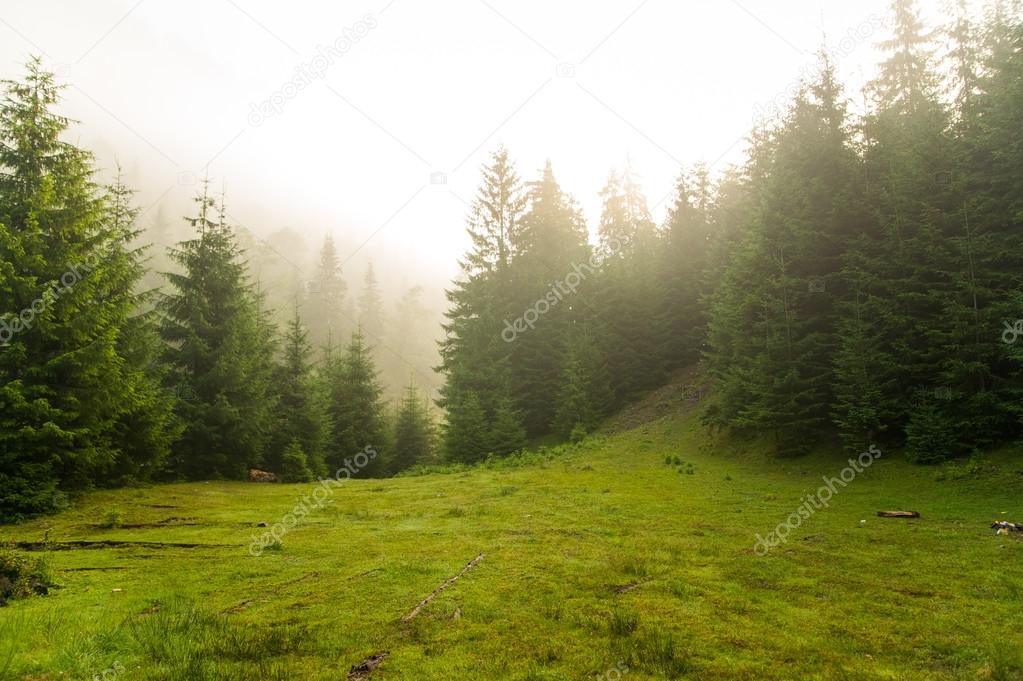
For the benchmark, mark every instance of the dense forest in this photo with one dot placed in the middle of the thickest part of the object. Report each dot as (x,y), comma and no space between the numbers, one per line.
(858,280)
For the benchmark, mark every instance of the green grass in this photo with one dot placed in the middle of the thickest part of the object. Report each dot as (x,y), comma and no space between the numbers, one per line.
(598,557)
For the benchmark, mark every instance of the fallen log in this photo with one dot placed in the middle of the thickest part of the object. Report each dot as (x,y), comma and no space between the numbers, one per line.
(362,671)
(898,514)
(436,592)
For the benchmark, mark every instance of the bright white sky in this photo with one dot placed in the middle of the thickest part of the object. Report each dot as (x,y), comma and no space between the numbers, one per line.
(167,87)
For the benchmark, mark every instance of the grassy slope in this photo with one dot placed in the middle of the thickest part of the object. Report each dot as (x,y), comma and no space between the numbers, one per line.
(938,598)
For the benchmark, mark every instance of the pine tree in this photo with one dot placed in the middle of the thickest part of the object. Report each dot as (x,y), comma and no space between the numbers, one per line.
(354,408)
(72,372)
(774,314)
(506,433)
(585,396)
(682,267)
(413,432)
(466,435)
(327,293)
(300,415)
(628,288)
(294,465)
(550,246)
(219,352)
(147,428)
(371,307)
(475,354)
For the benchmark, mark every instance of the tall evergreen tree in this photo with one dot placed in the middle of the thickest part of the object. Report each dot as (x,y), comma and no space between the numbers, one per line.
(682,268)
(413,432)
(300,416)
(218,351)
(327,294)
(475,354)
(466,433)
(585,396)
(549,245)
(354,408)
(72,355)
(629,288)
(371,307)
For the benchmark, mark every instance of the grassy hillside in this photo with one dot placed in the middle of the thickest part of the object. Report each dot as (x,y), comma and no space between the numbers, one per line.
(599,561)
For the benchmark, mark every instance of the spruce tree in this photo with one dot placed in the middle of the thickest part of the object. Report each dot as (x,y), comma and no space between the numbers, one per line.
(475,353)
(218,351)
(550,245)
(682,268)
(354,408)
(585,396)
(73,374)
(327,292)
(506,432)
(628,287)
(300,415)
(413,432)
(466,434)
(371,307)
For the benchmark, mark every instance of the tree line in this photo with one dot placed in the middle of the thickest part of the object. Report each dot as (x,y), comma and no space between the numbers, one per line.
(857,280)
(106,382)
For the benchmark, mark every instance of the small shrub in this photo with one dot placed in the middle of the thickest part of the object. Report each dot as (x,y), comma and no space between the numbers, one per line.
(295,464)
(22,577)
(112,518)
(578,434)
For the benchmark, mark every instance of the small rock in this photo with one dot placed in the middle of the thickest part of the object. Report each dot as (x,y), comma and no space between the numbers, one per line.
(262,525)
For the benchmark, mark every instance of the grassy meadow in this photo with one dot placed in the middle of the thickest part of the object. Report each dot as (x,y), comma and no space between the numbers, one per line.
(600,560)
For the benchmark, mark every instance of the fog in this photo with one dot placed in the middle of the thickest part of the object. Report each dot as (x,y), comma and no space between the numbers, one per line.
(369,120)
